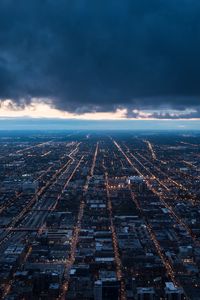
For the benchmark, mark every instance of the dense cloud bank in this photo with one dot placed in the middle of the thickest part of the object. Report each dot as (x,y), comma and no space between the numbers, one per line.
(90,55)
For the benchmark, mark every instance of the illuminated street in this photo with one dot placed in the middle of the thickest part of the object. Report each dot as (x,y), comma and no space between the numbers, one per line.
(101,213)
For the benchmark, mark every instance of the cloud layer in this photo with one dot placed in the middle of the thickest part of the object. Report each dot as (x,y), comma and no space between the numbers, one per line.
(89,55)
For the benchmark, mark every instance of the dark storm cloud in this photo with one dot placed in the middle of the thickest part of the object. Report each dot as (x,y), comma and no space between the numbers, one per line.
(165,114)
(98,55)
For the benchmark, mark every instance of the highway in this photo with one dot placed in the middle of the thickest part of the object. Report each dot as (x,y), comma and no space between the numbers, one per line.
(119,267)
(26,214)
(165,261)
(162,196)
(77,229)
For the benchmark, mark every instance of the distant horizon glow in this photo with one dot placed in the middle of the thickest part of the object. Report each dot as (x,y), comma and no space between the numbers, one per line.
(43,109)
(42,124)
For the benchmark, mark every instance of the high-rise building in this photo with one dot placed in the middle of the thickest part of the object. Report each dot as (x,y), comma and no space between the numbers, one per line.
(106,290)
(98,290)
(145,293)
(172,292)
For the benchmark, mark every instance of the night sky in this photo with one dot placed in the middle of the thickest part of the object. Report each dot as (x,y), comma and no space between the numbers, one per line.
(86,56)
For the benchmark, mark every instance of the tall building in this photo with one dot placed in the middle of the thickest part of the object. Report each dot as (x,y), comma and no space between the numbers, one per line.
(145,293)
(30,187)
(172,292)
(98,290)
(106,290)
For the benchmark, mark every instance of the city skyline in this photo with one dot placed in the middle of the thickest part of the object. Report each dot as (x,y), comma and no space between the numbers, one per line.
(99,150)
(99,215)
